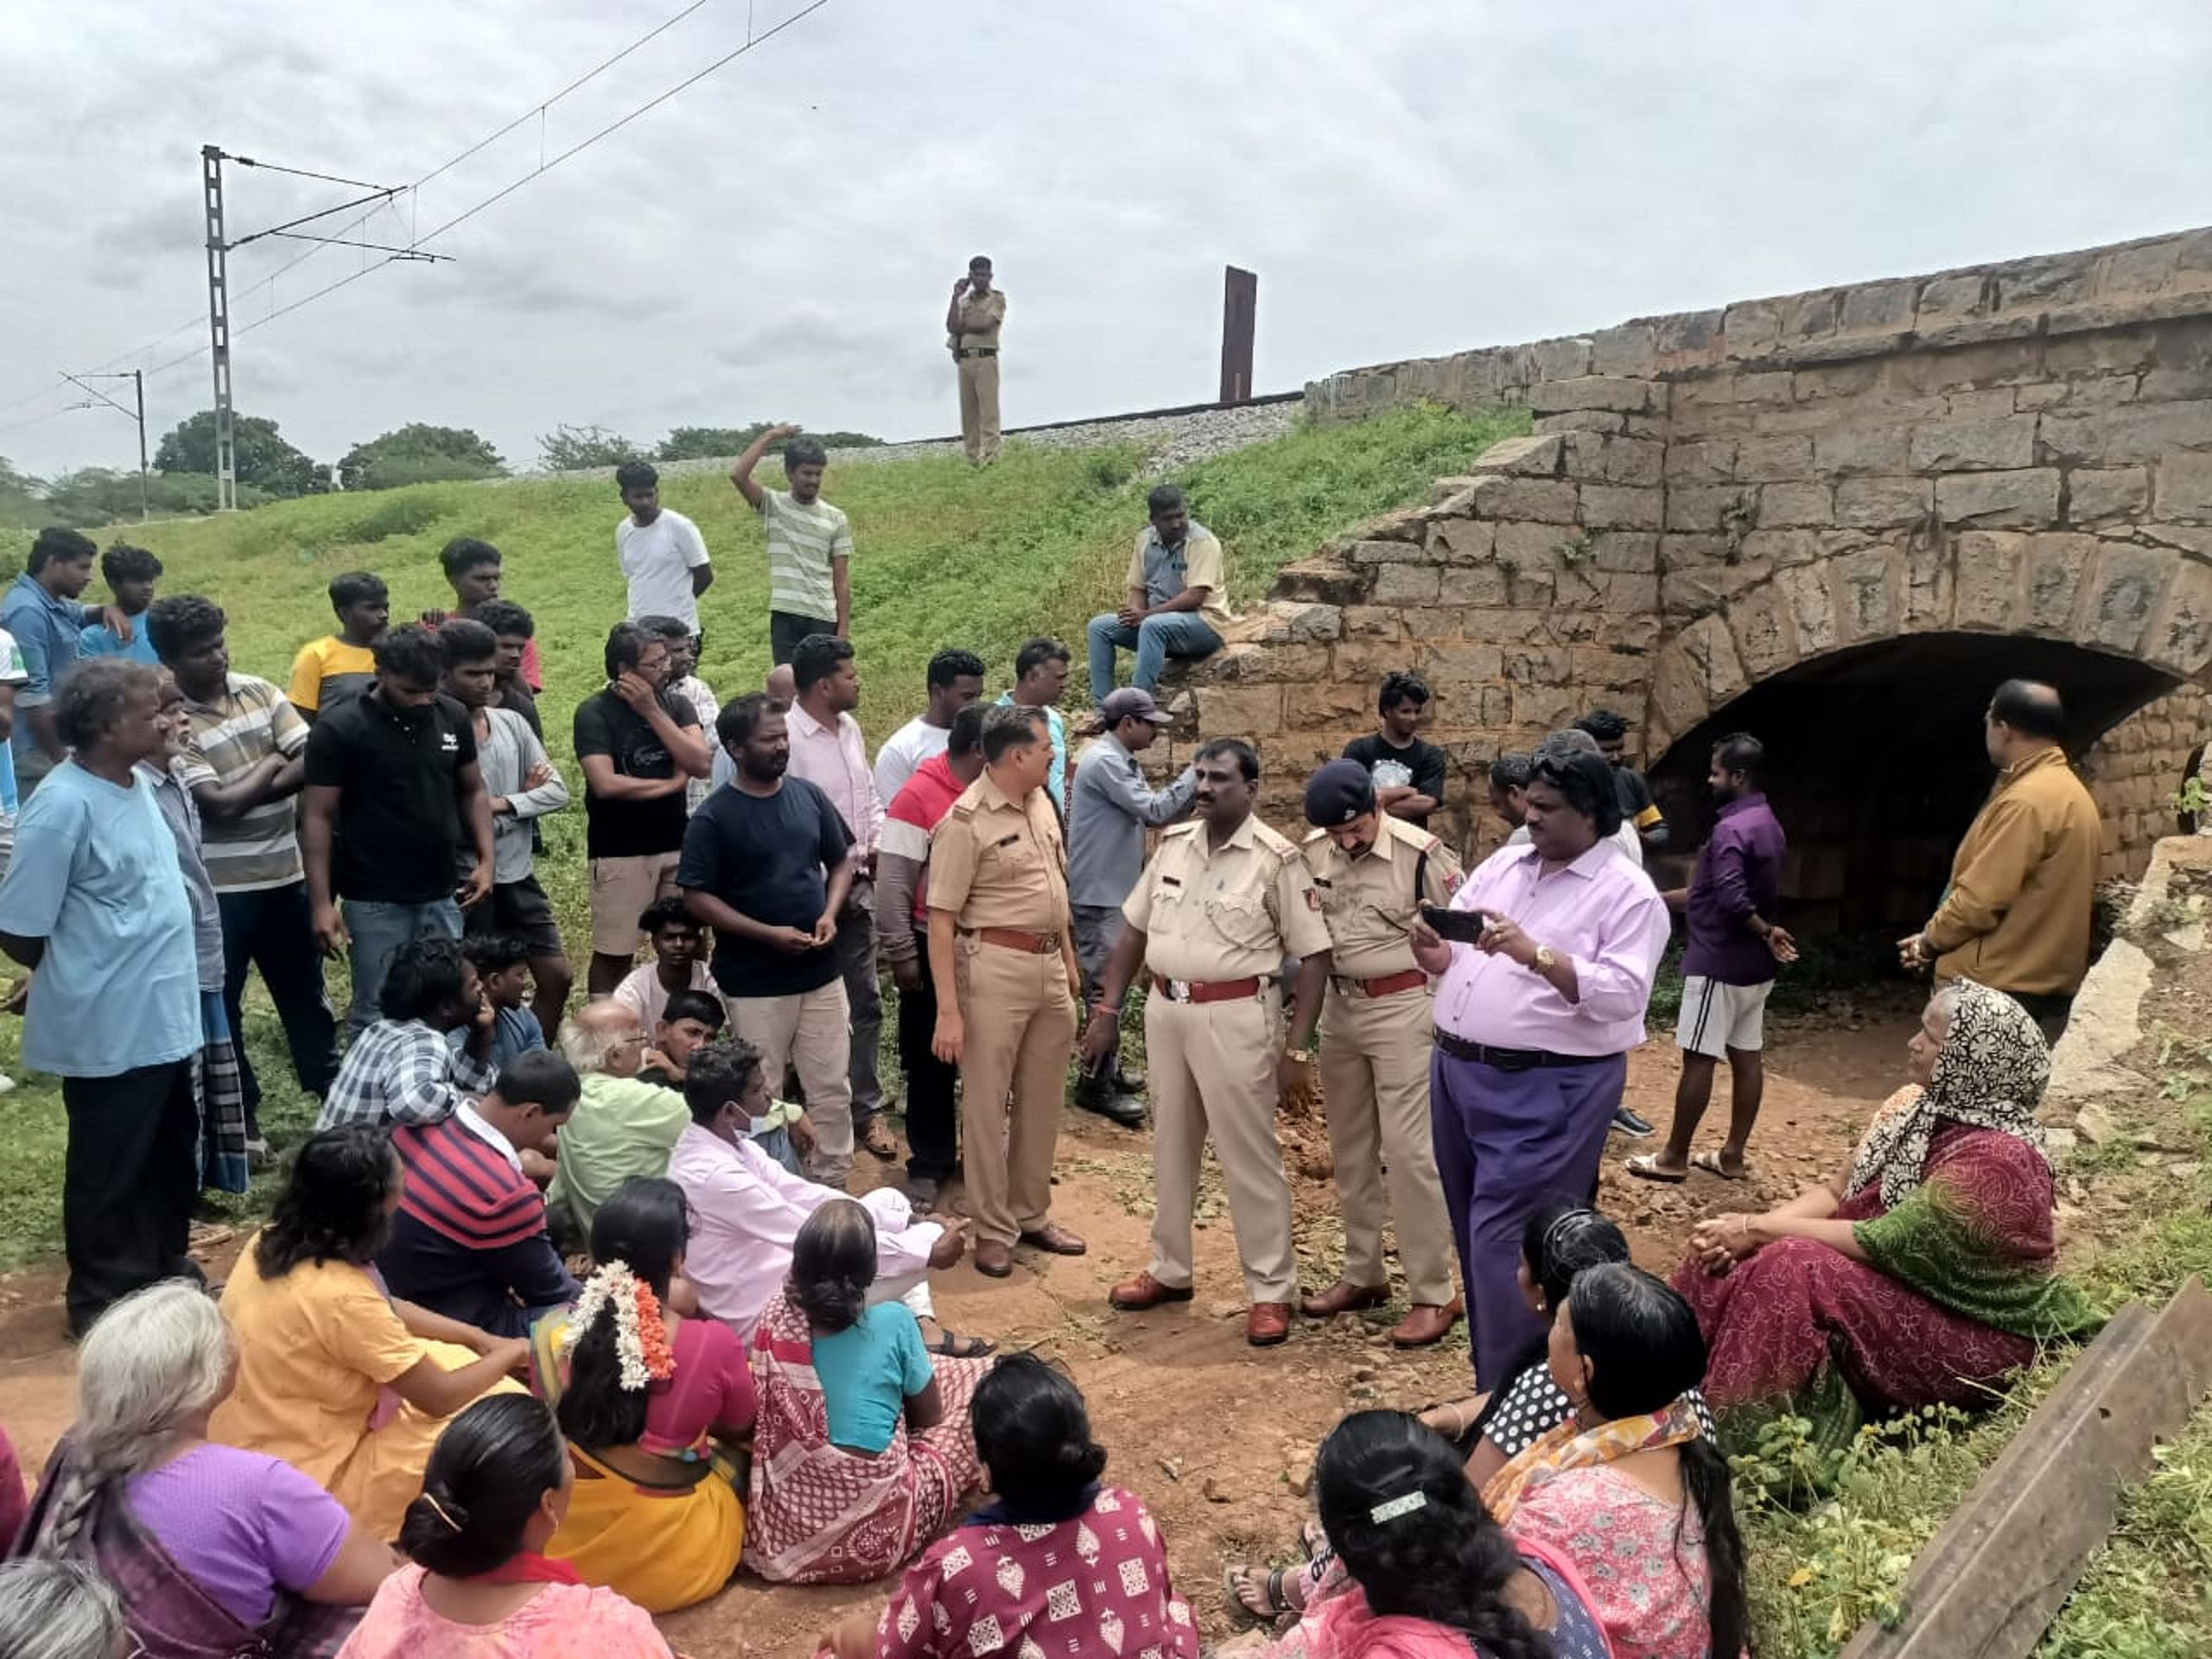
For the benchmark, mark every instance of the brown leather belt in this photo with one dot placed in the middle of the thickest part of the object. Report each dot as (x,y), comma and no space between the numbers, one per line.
(1019,938)
(1208,991)
(979,351)
(1389,985)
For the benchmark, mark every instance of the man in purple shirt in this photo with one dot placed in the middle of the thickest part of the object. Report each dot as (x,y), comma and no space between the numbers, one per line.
(1533,1022)
(1728,969)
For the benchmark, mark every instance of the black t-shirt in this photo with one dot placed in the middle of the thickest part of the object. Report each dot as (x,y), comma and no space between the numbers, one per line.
(398,771)
(768,857)
(1419,766)
(607,725)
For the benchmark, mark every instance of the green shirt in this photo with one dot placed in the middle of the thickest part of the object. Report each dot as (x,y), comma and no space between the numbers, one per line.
(804,540)
(622,1128)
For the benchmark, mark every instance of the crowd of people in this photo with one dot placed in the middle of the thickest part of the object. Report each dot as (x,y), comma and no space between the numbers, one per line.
(570,1307)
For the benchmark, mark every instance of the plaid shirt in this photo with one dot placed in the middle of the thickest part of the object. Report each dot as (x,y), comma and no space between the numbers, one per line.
(401,1072)
(695,692)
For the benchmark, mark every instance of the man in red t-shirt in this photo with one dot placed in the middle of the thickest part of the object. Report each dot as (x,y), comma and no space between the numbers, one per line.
(902,939)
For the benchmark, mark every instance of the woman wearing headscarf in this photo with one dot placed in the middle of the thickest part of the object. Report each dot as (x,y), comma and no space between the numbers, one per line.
(1924,1272)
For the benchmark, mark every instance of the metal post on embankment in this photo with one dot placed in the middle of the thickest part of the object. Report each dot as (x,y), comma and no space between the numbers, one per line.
(1990,1581)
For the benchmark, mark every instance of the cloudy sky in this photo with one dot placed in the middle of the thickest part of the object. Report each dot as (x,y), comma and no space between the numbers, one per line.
(779,240)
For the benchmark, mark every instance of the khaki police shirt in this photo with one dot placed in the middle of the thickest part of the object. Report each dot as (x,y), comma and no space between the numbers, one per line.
(1369,902)
(979,322)
(998,863)
(1230,914)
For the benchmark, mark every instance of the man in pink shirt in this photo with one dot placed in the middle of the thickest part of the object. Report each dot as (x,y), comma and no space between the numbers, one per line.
(1534,1022)
(827,750)
(902,921)
(747,1209)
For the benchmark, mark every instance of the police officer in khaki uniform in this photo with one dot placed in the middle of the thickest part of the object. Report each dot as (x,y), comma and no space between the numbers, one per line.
(971,327)
(1223,902)
(1004,965)
(1374,873)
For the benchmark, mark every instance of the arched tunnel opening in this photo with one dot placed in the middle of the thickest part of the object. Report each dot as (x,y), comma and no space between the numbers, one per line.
(1876,764)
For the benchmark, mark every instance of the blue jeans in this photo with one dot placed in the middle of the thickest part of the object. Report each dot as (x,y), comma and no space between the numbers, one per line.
(1179,633)
(272,929)
(379,932)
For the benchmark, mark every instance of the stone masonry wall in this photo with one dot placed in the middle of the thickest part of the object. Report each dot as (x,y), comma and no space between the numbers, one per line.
(1712,501)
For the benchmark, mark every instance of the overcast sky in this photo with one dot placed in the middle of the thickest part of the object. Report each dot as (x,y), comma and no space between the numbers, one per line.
(779,240)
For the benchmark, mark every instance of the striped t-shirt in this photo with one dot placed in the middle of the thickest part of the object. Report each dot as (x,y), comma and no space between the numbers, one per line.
(251,720)
(461,1188)
(804,537)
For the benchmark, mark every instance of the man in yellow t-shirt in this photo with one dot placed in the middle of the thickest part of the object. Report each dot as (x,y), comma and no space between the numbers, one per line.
(330,670)
(1178,601)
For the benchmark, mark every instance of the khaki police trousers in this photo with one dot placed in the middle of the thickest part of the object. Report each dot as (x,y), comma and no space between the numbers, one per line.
(979,407)
(1210,1067)
(1018,1023)
(1375,1055)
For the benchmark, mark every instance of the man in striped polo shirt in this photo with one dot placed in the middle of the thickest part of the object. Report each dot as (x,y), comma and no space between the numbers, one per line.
(809,544)
(244,767)
(470,1241)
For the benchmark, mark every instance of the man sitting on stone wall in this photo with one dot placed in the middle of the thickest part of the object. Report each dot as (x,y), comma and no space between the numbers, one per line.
(1176,606)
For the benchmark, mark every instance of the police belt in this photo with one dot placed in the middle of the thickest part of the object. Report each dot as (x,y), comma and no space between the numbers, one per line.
(977,351)
(1388,985)
(1016,938)
(1511,1059)
(1210,990)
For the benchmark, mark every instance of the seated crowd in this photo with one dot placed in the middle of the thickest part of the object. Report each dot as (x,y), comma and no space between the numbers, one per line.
(563,1316)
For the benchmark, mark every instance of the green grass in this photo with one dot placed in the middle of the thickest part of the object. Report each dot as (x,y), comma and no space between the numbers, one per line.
(945,556)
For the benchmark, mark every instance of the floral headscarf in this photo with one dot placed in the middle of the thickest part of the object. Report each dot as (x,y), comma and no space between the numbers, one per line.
(1990,1072)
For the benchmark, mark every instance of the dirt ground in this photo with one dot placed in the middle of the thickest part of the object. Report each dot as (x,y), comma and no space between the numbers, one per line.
(1217,1437)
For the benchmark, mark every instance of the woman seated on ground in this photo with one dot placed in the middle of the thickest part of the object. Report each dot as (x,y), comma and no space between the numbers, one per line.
(1009,1568)
(213,1550)
(347,1384)
(643,1396)
(1560,1241)
(58,1609)
(1630,1488)
(480,1585)
(863,1451)
(1432,1575)
(1922,1276)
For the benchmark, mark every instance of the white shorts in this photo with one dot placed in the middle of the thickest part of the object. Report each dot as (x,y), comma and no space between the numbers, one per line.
(1718,1017)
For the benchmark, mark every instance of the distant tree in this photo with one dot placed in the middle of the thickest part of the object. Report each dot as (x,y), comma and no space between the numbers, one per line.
(93,496)
(578,449)
(718,443)
(418,453)
(264,459)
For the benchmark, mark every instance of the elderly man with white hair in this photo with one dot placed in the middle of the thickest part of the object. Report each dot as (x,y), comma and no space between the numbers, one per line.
(622,1127)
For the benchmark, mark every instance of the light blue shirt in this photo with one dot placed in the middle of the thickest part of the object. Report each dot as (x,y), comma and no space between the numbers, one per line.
(47,632)
(1057,785)
(868,1372)
(99,640)
(95,876)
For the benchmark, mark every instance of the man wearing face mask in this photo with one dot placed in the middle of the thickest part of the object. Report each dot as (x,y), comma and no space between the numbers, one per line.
(1220,905)
(392,789)
(1374,872)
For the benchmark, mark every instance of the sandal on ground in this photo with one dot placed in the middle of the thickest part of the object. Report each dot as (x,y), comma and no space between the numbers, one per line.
(880,1141)
(1711,1164)
(1644,1165)
(1313,1542)
(953,1347)
(1235,1580)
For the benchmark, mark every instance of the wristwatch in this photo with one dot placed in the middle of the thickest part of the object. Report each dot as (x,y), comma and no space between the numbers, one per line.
(1547,958)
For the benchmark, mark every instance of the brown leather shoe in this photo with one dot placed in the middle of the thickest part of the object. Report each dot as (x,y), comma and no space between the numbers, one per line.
(1268,1323)
(993,1259)
(1055,1240)
(1425,1322)
(1343,1297)
(1144,1291)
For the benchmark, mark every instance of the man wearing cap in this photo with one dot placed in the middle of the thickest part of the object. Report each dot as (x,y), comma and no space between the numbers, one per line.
(1110,807)
(1374,873)
(1222,904)
(1003,964)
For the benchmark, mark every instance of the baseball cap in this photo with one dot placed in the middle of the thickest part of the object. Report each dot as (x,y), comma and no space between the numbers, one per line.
(1132,703)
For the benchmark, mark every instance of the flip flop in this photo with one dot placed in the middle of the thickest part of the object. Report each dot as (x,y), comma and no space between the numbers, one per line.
(1270,1584)
(880,1141)
(1644,1165)
(953,1347)
(1710,1163)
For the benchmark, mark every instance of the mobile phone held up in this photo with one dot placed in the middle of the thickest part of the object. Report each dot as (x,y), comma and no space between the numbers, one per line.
(1460,926)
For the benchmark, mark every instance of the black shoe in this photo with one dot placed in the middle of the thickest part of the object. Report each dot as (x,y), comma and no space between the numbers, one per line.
(1098,1097)
(922,1191)
(1629,1123)
(1128,1081)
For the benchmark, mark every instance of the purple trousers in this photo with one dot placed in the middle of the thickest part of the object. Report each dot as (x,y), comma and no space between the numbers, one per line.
(1506,1142)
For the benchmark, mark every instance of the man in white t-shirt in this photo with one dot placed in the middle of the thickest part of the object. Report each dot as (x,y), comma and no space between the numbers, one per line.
(955,679)
(809,544)
(660,551)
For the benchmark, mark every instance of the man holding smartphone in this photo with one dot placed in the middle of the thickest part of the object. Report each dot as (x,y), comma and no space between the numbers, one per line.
(971,328)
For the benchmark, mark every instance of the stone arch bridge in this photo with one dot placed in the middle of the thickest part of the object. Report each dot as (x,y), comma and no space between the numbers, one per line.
(1836,519)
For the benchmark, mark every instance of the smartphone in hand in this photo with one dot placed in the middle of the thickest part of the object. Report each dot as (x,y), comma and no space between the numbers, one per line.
(1460,926)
